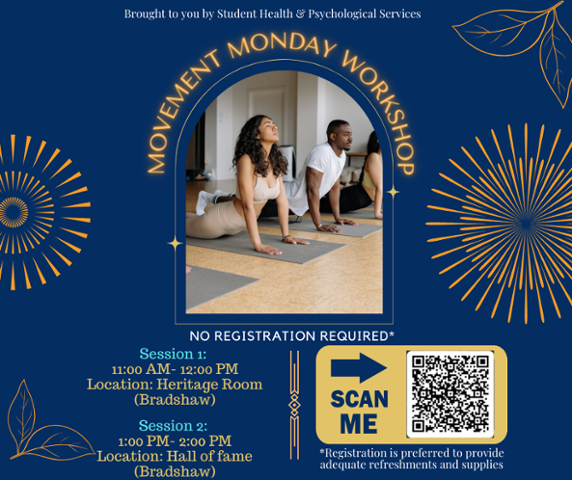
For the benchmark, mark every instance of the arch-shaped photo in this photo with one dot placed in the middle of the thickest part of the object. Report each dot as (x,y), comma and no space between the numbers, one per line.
(284,200)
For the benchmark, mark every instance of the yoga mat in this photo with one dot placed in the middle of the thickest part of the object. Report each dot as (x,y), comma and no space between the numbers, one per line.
(204,285)
(241,243)
(363,213)
(307,225)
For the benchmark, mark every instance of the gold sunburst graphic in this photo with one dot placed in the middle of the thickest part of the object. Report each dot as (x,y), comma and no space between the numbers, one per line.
(17,205)
(44,213)
(510,238)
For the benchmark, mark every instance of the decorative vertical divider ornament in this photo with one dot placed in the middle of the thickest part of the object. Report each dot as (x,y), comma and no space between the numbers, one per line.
(294,406)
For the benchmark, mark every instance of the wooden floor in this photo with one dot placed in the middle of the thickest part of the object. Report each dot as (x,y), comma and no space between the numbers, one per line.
(348,280)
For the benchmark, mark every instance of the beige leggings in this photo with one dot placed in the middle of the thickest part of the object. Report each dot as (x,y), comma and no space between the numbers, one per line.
(221,219)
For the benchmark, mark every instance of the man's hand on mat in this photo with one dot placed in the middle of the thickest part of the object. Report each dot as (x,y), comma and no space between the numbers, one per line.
(187,269)
(343,221)
(267,249)
(295,241)
(330,227)
(379,216)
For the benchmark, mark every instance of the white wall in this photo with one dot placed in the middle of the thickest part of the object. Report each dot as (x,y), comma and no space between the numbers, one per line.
(210,136)
(224,136)
(310,110)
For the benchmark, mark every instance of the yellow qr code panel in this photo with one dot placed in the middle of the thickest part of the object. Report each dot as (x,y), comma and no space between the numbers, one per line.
(411,394)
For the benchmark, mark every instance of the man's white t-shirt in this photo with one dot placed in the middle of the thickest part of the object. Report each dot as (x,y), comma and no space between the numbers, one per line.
(323,159)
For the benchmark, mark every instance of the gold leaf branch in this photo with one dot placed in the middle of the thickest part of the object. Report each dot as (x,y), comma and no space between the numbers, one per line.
(59,443)
(53,442)
(554,48)
(483,31)
(21,415)
(500,34)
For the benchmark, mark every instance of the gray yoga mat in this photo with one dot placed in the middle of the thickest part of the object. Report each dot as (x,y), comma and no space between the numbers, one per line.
(241,243)
(204,285)
(307,225)
(363,213)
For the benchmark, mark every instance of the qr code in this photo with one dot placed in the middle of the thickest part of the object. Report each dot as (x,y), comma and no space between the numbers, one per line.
(450,394)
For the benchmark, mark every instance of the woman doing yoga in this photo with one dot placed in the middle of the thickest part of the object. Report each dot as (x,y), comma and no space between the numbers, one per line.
(369,187)
(259,168)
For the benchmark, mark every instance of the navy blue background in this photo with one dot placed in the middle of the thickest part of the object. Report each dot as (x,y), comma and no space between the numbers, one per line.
(91,83)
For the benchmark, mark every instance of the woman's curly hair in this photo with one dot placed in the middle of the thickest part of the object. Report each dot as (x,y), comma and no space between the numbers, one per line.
(248,143)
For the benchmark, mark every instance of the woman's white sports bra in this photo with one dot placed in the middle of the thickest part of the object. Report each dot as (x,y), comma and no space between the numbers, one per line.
(262,192)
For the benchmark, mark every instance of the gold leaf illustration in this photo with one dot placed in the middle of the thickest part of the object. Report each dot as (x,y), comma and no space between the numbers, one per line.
(59,443)
(504,33)
(555,55)
(21,416)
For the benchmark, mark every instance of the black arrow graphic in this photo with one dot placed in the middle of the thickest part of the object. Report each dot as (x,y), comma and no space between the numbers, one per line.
(364,368)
